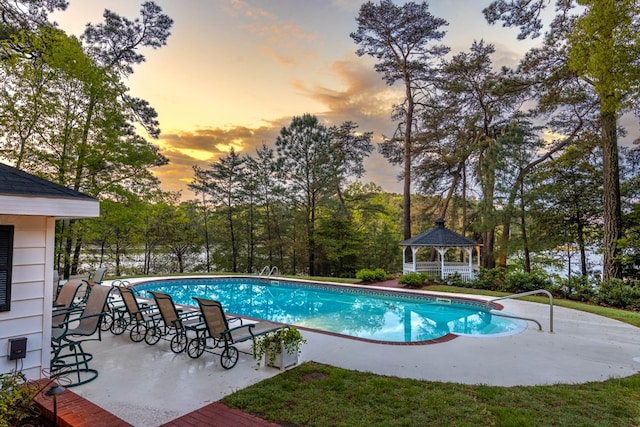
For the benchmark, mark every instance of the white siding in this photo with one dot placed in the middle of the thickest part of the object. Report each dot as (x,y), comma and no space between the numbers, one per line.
(31,293)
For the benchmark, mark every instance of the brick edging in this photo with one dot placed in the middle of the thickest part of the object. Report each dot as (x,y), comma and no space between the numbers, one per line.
(74,410)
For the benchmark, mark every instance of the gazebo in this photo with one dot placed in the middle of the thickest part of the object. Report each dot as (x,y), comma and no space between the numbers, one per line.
(442,240)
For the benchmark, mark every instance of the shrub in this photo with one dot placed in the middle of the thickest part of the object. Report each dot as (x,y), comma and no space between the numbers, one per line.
(454,280)
(617,293)
(367,275)
(489,279)
(577,288)
(520,281)
(16,399)
(413,279)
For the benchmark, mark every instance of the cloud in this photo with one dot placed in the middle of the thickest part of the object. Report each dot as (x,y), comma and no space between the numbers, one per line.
(239,7)
(364,97)
(205,146)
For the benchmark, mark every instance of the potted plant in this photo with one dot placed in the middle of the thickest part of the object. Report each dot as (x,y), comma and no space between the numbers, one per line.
(280,347)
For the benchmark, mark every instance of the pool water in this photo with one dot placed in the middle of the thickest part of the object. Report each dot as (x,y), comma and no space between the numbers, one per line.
(352,311)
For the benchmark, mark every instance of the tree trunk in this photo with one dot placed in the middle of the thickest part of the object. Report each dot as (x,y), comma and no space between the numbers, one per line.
(612,209)
(583,251)
(406,195)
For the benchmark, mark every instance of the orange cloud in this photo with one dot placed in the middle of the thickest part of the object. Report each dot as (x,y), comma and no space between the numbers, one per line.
(203,147)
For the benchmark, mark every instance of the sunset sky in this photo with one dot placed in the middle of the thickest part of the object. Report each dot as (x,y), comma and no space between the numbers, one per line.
(235,72)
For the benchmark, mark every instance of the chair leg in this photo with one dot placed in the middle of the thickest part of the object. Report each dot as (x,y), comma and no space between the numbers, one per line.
(73,366)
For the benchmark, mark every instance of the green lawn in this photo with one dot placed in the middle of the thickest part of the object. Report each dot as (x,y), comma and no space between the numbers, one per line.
(313,394)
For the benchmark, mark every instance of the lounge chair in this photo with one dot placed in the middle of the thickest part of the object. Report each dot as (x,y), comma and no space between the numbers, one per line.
(66,302)
(170,323)
(98,276)
(135,315)
(68,357)
(214,333)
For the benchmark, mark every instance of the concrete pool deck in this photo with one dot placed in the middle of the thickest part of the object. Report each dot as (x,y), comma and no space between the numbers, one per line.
(150,386)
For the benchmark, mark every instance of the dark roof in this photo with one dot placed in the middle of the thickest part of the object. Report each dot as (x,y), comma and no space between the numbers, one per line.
(439,236)
(15,182)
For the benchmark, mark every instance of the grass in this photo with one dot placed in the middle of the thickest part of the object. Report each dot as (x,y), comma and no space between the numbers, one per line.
(314,394)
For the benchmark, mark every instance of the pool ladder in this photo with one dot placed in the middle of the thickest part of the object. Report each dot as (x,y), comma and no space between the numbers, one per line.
(522,294)
(268,271)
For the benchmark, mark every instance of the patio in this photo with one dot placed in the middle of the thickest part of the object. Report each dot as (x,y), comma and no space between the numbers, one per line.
(150,386)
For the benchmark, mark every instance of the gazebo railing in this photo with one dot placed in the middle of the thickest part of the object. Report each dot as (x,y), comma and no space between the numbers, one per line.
(450,268)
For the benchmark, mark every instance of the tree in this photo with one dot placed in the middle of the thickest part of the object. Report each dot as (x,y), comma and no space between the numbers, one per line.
(603,44)
(115,232)
(223,183)
(466,127)
(26,15)
(570,188)
(399,38)
(268,189)
(310,161)
(181,233)
(351,148)
(80,132)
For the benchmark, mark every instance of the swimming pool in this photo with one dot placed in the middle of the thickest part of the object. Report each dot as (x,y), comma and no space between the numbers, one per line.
(370,314)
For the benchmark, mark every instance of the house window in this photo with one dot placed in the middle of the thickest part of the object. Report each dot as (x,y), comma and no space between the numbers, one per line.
(6,255)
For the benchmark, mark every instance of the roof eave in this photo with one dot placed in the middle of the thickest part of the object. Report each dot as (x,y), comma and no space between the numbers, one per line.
(59,207)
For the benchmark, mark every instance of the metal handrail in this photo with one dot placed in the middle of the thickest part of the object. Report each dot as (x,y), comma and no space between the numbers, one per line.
(268,271)
(522,294)
(512,316)
(274,269)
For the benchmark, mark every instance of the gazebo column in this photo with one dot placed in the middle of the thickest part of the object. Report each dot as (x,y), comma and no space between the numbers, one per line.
(470,255)
(404,260)
(414,251)
(441,253)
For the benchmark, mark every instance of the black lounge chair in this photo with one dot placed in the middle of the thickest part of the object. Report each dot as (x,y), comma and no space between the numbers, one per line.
(214,333)
(136,316)
(68,357)
(169,323)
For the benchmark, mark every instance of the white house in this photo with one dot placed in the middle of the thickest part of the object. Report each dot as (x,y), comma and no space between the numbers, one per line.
(29,207)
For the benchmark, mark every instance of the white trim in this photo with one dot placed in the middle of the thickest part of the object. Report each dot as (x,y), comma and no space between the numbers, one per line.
(50,239)
(49,206)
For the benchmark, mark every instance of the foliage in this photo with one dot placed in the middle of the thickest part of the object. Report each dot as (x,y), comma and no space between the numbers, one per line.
(491,279)
(516,282)
(16,399)
(367,275)
(352,398)
(577,288)
(619,294)
(68,116)
(272,343)
(413,279)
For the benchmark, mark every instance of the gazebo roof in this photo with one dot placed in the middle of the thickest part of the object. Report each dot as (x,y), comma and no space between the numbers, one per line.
(439,236)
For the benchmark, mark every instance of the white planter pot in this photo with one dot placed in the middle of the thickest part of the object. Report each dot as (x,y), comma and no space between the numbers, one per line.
(282,360)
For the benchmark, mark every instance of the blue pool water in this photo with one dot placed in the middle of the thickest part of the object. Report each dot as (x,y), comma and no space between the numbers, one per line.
(352,311)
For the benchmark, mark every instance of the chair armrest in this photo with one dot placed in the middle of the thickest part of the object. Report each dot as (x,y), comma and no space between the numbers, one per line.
(234,319)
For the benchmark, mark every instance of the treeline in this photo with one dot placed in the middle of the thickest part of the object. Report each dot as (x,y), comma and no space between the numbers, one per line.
(251,212)
(138,237)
